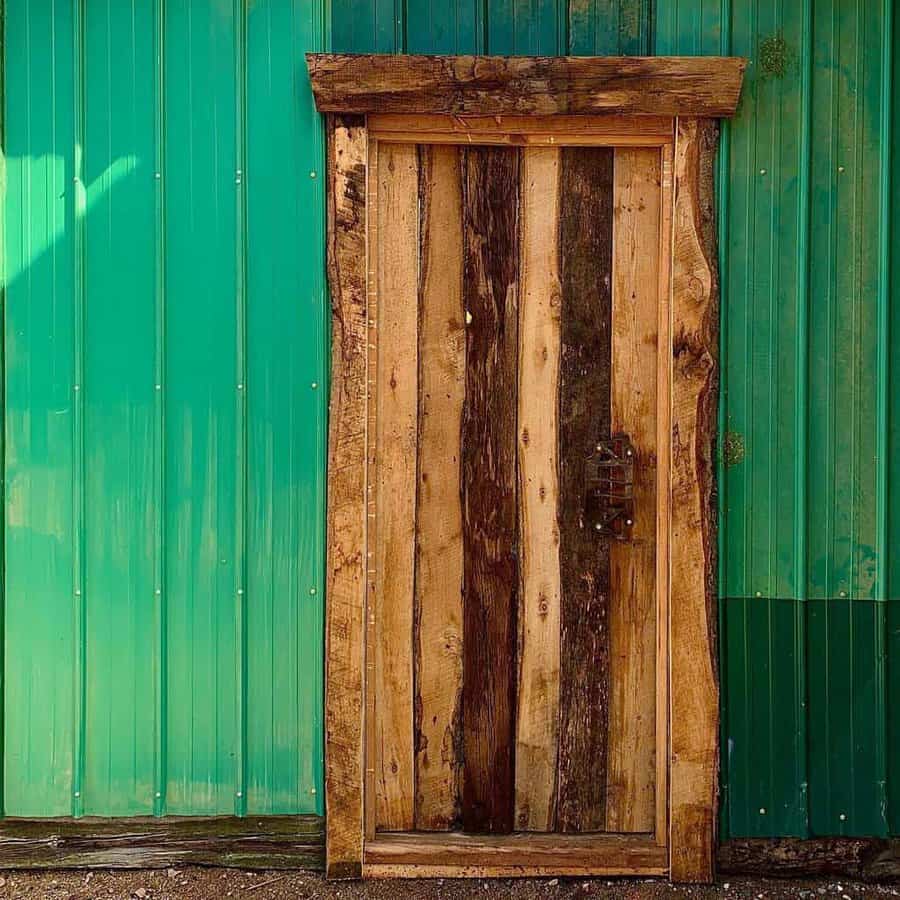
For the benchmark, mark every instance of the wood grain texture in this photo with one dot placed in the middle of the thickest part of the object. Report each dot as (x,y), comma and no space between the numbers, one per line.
(346,522)
(664,494)
(462,855)
(694,676)
(396,445)
(439,554)
(490,526)
(269,842)
(585,250)
(522,85)
(523,130)
(539,337)
(631,772)
(864,859)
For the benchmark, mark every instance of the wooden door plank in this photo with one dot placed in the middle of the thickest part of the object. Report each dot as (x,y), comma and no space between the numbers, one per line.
(346,204)
(464,855)
(664,494)
(694,677)
(472,128)
(395,473)
(539,337)
(439,553)
(585,249)
(631,775)
(490,292)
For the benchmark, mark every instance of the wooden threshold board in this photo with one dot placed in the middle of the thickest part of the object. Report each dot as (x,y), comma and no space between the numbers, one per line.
(455,855)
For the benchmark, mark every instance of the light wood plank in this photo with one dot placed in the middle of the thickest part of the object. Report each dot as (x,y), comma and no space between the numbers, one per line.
(346,521)
(442,368)
(631,773)
(465,127)
(601,868)
(694,676)
(523,85)
(507,139)
(601,130)
(539,602)
(396,424)
(370,744)
(664,495)
(490,514)
(462,855)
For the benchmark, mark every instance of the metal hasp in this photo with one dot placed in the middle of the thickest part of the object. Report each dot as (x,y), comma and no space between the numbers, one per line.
(609,488)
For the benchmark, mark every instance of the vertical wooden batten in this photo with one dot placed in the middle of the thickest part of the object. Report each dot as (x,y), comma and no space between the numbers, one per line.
(631,772)
(585,251)
(344,768)
(490,514)
(396,418)
(694,711)
(537,718)
(438,635)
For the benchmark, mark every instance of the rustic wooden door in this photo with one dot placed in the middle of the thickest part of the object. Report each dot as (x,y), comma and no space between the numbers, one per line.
(520,673)
(513,604)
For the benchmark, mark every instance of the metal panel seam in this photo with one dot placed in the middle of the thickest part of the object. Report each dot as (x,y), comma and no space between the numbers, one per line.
(160,597)
(78,499)
(240,48)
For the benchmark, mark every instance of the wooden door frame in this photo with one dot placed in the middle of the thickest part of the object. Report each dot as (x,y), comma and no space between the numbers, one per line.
(670,103)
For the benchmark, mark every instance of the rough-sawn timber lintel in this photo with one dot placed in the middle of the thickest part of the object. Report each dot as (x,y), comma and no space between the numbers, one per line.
(526,85)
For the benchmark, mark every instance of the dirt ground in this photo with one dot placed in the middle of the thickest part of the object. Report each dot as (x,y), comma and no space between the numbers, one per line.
(207,884)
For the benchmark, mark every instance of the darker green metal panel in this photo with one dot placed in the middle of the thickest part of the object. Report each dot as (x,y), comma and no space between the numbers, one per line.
(892,703)
(763,691)
(439,27)
(371,26)
(609,27)
(525,28)
(165,328)
(507,27)
(847,793)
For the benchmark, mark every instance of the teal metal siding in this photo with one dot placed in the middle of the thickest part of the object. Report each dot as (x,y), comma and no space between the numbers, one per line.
(165,362)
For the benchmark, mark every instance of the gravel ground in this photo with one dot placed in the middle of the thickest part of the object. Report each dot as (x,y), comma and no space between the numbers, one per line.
(213,884)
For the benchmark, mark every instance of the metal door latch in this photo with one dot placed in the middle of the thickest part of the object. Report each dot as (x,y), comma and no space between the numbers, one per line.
(609,488)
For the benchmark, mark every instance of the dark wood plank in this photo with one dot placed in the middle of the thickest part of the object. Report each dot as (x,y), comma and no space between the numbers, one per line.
(585,253)
(490,520)
(694,728)
(344,636)
(811,858)
(524,85)
(278,842)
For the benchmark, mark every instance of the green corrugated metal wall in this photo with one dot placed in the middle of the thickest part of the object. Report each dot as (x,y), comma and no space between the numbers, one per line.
(165,408)
(120,488)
